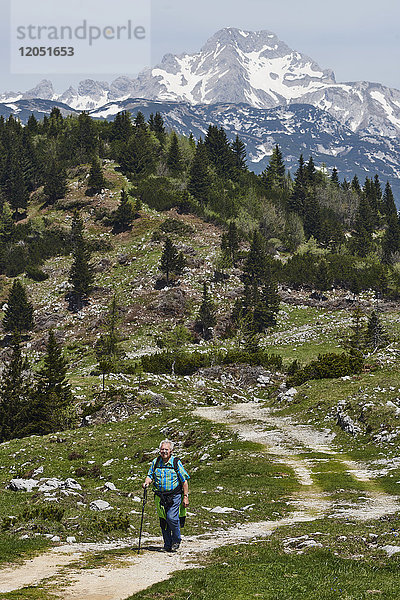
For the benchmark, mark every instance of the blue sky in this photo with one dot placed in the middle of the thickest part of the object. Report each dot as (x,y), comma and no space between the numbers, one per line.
(358,39)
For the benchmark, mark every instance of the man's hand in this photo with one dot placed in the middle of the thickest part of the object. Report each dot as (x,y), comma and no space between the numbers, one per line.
(185,501)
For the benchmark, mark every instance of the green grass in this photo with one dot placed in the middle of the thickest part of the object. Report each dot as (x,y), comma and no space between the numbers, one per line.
(263,571)
(13,549)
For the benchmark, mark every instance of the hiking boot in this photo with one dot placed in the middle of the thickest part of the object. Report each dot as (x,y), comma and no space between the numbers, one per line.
(175,547)
(166,549)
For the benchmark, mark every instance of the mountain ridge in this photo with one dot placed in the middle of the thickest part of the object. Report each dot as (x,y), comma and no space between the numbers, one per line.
(241,66)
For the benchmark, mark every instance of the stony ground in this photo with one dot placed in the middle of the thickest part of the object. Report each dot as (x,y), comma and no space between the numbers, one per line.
(60,570)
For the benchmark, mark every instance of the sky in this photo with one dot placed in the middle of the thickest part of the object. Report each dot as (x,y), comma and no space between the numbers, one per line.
(357,39)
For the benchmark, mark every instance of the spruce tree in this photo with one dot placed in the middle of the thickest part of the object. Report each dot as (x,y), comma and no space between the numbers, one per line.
(124,215)
(107,347)
(376,335)
(96,181)
(230,242)
(239,154)
(266,307)
(55,183)
(388,203)
(297,200)
(172,262)
(206,316)
(52,405)
(18,316)
(81,271)
(15,394)
(199,179)
(273,176)
(335,177)
(174,156)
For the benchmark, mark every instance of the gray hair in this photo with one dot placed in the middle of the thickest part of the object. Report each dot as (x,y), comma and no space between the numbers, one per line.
(171,444)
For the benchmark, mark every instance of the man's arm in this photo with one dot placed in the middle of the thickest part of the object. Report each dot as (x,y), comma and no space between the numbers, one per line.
(185,487)
(147,482)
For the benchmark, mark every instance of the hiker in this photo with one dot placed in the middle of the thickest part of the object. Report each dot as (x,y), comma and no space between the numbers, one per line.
(171,494)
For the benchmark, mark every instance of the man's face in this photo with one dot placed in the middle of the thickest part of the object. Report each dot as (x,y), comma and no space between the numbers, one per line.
(165,452)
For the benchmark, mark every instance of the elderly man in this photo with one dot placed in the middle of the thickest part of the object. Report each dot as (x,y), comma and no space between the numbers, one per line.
(170,485)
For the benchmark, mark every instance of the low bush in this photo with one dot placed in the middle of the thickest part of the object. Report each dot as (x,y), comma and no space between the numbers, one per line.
(328,366)
(188,363)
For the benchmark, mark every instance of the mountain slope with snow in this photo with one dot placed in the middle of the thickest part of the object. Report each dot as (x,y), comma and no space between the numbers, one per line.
(237,66)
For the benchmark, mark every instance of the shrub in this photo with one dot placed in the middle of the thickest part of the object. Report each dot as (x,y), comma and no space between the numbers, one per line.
(109,523)
(328,366)
(45,513)
(187,364)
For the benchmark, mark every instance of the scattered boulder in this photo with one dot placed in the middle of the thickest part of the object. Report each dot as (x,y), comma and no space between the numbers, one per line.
(22,485)
(100,505)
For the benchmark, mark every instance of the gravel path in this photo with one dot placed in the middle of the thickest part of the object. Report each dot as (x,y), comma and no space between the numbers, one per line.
(283,440)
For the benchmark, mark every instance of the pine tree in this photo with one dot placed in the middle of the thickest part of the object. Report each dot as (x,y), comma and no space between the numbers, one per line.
(273,176)
(219,151)
(124,215)
(81,271)
(391,238)
(297,200)
(15,392)
(388,203)
(51,408)
(355,185)
(376,335)
(174,156)
(255,268)
(358,330)
(199,179)
(230,242)
(55,184)
(172,262)
(122,126)
(206,317)
(239,154)
(18,316)
(335,177)
(266,307)
(107,347)
(96,181)
(159,129)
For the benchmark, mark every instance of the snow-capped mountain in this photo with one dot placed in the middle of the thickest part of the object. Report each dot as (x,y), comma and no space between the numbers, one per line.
(237,66)
(296,128)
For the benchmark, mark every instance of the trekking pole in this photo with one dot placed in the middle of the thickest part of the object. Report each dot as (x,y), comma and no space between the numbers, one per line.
(141,520)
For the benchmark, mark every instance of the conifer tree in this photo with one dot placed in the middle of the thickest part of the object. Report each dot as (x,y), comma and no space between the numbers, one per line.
(266,307)
(274,174)
(297,200)
(230,242)
(157,126)
(376,335)
(206,317)
(388,204)
(18,316)
(219,151)
(255,265)
(122,126)
(335,177)
(51,408)
(172,262)
(355,185)
(81,271)
(239,154)
(124,215)
(55,183)
(96,181)
(174,156)
(391,238)
(15,392)
(199,180)
(107,347)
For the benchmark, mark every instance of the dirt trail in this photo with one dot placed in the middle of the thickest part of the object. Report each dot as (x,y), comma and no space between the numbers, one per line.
(134,573)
